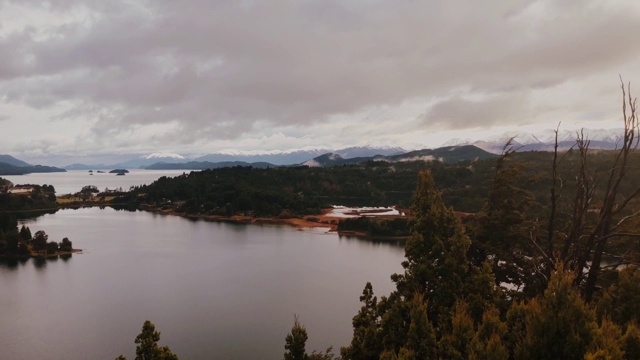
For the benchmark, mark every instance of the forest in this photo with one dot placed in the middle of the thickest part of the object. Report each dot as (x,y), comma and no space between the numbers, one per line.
(39,197)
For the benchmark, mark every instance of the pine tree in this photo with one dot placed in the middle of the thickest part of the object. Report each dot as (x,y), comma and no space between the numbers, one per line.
(606,344)
(436,264)
(365,344)
(421,338)
(558,325)
(630,342)
(296,342)
(488,342)
(148,348)
(456,344)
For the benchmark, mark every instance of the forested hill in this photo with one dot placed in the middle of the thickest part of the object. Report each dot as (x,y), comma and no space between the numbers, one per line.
(303,190)
(8,169)
(202,165)
(447,155)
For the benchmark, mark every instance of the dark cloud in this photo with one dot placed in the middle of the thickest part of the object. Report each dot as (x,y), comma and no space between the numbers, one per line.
(460,113)
(218,68)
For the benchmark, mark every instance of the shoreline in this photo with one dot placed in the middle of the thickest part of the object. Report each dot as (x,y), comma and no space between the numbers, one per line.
(330,223)
(322,220)
(305,222)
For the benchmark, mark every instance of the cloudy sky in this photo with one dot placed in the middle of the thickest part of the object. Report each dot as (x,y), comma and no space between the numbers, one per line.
(91,78)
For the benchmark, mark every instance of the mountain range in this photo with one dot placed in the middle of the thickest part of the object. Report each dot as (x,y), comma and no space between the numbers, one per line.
(607,139)
(523,141)
(270,158)
(447,154)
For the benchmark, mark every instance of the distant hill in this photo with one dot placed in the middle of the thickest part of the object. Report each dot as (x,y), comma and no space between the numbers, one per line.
(87,167)
(8,159)
(8,169)
(202,165)
(298,156)
(606,139)
(448,154)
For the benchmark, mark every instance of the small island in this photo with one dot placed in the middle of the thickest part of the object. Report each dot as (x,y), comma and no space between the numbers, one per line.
(20,244)
(120,172)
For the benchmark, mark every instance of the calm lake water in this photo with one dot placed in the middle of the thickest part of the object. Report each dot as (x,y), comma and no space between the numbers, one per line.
(214,290)
(72,181)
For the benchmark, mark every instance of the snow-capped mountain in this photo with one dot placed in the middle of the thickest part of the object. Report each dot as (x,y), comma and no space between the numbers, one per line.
(362,151)
(165,156)
(544,140)
(300,156)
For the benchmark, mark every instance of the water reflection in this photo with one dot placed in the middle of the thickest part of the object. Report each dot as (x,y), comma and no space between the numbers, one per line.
(375,241)
(12,264)
(33,214)
(38,262)
(214,289)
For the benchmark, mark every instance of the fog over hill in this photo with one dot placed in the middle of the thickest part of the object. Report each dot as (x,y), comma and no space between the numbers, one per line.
(544,140)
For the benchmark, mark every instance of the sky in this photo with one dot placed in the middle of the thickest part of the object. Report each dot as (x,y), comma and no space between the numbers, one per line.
(85,79)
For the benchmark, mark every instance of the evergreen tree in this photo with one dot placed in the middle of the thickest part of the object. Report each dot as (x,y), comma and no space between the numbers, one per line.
(500,231)
(148,348)
(296,341)
(365,344)
(25,233)
(436,264)
(558,325)
(630,342)
(66,245)
(488,342)
(606,344)
(421,338)
(456,344)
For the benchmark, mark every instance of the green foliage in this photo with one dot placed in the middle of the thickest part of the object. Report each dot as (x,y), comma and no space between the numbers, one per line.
(303,190)
(375,227)
(436,253)
(408,323)
(621,301)
(296,341)
(500,231)
(42,197)
(295,344)
(66,245)
(488,340)
(25,233)
(365,344)
(606,344)
(630,342)
(558,325)
(456,344)
(147,348)
(421,338)
(39,241)
(52,247)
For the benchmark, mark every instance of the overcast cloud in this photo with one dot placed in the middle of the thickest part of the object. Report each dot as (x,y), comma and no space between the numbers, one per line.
(195,76)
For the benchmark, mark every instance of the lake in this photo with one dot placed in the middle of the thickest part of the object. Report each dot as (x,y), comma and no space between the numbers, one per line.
(72,181)
(214,290)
